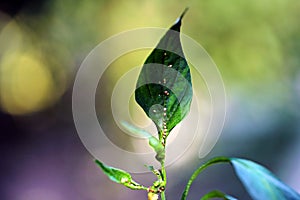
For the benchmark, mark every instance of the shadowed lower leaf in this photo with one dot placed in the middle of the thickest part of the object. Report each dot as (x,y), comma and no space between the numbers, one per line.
(261,183)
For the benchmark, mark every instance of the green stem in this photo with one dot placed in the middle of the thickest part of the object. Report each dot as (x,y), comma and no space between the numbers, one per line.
(162,196)
(199,170)
(164,176)
(164,173)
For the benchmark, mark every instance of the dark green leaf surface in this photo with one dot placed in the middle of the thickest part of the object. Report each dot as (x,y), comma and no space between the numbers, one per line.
(120,176)
(261,183)
(164,88)
(217,194)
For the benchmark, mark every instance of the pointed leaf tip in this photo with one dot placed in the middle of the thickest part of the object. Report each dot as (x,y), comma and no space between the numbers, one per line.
(183,13)
(176,26)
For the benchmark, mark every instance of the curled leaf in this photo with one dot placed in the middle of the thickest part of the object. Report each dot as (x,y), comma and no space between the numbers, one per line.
(120,176)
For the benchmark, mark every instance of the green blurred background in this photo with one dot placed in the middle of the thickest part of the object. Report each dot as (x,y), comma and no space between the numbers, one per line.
(255,44)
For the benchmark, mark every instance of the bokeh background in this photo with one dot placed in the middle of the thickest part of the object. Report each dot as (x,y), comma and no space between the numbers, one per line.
(255,44)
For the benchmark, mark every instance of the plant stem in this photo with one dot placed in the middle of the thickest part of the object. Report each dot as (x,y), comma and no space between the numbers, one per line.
(164,176)
(162,196)
(199,170)
(164,173)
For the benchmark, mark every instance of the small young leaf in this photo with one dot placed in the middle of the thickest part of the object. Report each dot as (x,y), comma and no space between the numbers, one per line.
(261,183)
(120,176)
(217,194)
(135,130)
(164,88)
(155,172)
(153,141)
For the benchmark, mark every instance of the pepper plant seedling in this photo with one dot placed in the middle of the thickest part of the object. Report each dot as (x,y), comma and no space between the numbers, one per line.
(164,91)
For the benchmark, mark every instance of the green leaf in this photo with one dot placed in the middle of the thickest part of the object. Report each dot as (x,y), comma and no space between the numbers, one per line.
(260,182)
(164,87)
(217,194)
(120,176)
(153,141)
